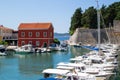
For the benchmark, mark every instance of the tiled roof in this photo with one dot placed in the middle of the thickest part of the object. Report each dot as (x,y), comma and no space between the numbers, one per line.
(4,28)
(34,26)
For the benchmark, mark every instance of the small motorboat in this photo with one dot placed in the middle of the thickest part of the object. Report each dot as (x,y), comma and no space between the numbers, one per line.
(2,50)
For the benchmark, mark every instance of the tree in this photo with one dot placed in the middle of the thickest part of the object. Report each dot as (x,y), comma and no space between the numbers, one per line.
(117,9)
(117,16)
(103,16)
(89,18)
(103,9)
(112,13)
(75,21)
(56,41)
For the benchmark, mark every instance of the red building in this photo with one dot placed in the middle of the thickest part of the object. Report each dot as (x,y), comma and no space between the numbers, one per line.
(37,34)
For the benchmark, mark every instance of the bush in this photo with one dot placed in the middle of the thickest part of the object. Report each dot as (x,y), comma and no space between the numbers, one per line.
(3,43)
(56,41)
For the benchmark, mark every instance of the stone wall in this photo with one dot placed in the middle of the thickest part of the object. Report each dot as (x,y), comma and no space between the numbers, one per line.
(117,30)
(90,36)
(116,25)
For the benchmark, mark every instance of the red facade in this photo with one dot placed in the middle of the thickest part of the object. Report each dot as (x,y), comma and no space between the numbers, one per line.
(37,34)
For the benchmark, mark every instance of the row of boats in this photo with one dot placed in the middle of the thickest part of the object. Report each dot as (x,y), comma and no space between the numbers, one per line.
(91,66)
(28,48)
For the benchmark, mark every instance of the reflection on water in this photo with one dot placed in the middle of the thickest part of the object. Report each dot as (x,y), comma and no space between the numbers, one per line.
(78,51)
(34,64)
(30,66)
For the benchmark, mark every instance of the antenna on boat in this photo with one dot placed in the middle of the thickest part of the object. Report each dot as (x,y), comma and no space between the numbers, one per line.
(98,24)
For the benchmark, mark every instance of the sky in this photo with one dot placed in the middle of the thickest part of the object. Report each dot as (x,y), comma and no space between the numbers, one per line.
(58,12)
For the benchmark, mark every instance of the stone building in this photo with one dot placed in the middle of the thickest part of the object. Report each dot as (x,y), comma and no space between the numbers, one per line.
(8,35)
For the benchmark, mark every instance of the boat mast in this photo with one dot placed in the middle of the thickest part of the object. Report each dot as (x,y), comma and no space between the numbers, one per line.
(98,24)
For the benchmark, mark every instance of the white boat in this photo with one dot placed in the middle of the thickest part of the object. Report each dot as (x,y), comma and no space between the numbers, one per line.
(42,50)
(26,48)
(63,47)
(65,67)
(2,50)
(75,65)
(57,72)
(3,54)
(96,61)
(56,47)
(82,68)
(62,74)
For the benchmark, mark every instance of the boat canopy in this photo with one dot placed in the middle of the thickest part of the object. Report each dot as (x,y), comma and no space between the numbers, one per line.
(65,67)
(56,71)
(76,59)
(71,64)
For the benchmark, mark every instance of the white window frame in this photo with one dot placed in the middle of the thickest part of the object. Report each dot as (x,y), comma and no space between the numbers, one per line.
(37,34)
(22,34)
(37,43)
(30,34)
(45,34)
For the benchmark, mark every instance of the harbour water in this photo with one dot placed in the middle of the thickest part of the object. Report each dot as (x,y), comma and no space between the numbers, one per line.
(30,66)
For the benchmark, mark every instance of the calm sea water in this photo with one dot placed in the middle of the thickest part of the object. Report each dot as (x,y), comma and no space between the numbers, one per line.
(30,66)
(62,38)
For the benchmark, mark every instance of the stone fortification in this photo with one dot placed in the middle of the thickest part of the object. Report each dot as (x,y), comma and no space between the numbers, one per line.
(90,36)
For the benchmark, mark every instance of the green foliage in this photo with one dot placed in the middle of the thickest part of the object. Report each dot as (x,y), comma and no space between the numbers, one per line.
(3,43)
(56,41)
(117,16)
(75,21)
(112,13)
(88,19)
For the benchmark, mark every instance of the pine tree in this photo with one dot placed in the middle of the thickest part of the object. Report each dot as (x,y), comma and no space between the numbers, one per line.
(75,21)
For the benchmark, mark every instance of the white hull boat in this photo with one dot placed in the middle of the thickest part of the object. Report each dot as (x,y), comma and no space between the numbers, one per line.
(26,49)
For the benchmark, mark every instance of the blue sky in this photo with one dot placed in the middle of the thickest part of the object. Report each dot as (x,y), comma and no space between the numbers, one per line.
(58,12)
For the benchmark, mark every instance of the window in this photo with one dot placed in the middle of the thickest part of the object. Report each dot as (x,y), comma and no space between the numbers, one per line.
(30,42)
(23,43)
(30,34)
(22,34)
(37,43)
(50,34)
(45,34)
(37,34)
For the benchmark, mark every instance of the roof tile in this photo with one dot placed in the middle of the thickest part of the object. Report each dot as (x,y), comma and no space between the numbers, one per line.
(34,26)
